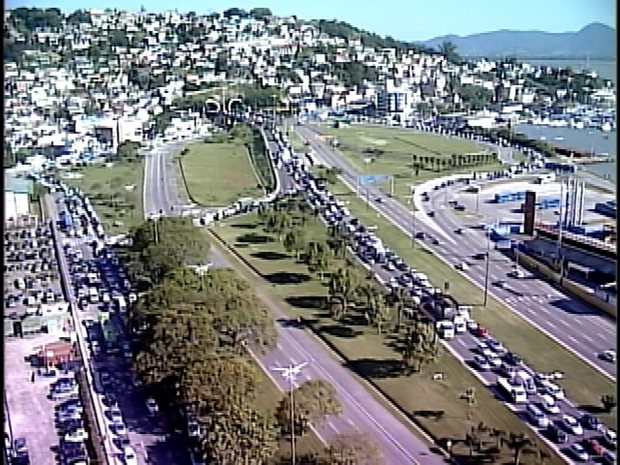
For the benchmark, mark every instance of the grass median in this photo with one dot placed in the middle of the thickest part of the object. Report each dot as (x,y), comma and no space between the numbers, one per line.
(583,384)
(437,406)
(115,191)
(218,174)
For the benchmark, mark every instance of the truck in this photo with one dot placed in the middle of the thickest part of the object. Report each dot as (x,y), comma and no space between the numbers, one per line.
(445,329)
(514,392)
(243,204)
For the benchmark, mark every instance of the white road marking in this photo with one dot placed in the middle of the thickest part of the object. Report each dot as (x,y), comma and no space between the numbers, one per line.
(351,422)
(550,324)
(587,338)
(565,323)
(331,425)
(573,339)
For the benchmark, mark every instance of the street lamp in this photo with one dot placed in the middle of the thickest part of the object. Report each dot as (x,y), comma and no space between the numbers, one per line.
(290,373)
(412,217)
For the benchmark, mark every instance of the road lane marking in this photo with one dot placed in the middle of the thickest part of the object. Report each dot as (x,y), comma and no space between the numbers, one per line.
(587,338)
(573,339)
(331,425)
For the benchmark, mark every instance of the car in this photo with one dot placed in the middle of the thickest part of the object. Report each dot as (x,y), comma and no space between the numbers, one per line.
(496,345)
(500,283)
(77,435)
(556,434)
(119,428)
(594,447)
(518,274)
(495,360)
(109,399)
(193,430)
(129,456)
(152,406)
(610,438)
(463,266)
(579,452)
(609,356)
(480,331)
(20,446)
(420,235)
(436,241)
(115,414)
(591,422)
(482,363)
(513,359)
(608,457)
(571,425)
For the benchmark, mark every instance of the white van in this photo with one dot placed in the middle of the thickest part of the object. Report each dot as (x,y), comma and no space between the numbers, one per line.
(537,417)
(445,329)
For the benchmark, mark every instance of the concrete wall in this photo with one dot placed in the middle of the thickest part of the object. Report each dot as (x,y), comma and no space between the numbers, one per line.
(578,291)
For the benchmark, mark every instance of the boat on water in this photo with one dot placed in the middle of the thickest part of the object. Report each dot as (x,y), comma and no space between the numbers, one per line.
(606,126)
(558,138)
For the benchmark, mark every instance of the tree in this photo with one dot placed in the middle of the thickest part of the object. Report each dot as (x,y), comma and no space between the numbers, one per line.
(343,287)
(260,13)
(448,50)
(318,257)
(240,435)
(518,443)
(234,12)
(295,241)
(353,448)
(609,402)
(217,382)
(128,150)
(314,401)
(421,344)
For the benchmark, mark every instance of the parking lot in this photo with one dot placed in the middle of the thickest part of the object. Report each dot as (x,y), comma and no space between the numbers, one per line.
(31,412)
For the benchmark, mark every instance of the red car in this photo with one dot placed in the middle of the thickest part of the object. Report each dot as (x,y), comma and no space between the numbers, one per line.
(480,331)
(594,447)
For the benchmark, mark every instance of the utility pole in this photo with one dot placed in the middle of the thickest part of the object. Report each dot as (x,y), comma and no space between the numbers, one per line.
(486,271)
(290,373)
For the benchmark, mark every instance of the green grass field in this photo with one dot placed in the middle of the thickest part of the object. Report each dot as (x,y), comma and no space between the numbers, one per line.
(115,191)
(218,174)
(387,150)
(436,405)
(534,347)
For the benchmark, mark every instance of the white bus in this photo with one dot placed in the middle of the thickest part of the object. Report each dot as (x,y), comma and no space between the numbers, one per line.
(515,393)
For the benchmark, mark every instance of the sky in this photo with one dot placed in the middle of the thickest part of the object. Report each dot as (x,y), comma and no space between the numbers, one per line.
(410,20)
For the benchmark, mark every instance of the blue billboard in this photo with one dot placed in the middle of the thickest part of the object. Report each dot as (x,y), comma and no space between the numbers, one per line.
(373,178)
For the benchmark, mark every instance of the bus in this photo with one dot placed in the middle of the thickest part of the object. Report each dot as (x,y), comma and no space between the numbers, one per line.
(515,393)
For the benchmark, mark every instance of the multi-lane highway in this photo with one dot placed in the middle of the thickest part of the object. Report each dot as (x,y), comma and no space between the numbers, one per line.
(581,330)
(399,446)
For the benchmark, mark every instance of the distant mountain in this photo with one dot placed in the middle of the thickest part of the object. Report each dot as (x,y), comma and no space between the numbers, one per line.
(596,40)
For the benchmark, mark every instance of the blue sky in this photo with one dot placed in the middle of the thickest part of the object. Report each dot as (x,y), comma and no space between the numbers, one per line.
(402,19)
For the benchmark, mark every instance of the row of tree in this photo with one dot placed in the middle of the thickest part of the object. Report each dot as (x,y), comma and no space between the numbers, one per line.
(351,290)
(194,331)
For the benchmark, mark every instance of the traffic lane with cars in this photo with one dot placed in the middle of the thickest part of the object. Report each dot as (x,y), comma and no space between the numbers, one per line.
(53,211)
(580,326)
(145,433)
(140,439)
(399,215)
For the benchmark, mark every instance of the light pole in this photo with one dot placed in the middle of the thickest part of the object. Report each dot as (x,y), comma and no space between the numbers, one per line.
(290,373)
(486,271)
(412,218)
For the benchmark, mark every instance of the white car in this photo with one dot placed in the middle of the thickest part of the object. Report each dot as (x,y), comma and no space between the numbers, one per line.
(116,415)
(610,438)
(193,430)
(579,452)
(496,345)
(516,274)
(609,356)
(78,435)
(462,266)
(129,456)
(152,406)
(119,429)
(572,425)
(495,360)
(549,405)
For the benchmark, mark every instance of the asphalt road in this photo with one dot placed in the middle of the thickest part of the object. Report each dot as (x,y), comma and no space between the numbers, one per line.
(398,445)
(576,326)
